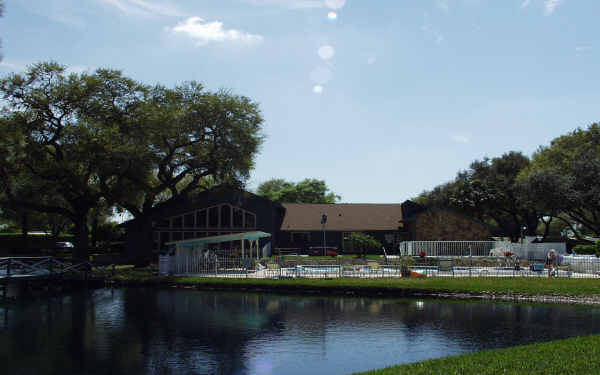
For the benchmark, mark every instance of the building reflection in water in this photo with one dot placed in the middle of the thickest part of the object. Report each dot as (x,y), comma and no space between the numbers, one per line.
(185,331)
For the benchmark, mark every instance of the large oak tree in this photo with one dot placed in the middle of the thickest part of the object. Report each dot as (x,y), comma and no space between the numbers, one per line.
(61,141)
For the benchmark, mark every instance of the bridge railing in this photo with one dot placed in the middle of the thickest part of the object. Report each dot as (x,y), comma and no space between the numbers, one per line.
(39,266)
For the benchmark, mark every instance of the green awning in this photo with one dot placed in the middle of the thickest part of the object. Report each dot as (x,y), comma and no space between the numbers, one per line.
(200,242)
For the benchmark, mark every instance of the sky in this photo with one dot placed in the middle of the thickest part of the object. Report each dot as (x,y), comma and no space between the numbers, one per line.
(382,99)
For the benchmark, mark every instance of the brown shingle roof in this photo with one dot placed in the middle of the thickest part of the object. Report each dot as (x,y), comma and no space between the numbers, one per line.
(342,216)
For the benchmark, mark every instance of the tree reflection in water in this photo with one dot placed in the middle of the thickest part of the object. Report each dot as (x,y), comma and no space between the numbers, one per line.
(184,331)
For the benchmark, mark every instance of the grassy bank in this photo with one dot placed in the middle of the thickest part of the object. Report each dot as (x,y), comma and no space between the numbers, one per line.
(529,286)
(572,356)
(491,285)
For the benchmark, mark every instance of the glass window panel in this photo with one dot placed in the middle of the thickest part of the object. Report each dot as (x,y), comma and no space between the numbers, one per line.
(200,234)
(201,219)
(177,222)
(176,236)
(188,221)
(237,218)
(188,235)
(225,216)
(250,220)
(213,217)
(164,223)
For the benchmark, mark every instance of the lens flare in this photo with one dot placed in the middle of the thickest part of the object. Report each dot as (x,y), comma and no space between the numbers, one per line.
(326,52)
(332,16)
(317,89)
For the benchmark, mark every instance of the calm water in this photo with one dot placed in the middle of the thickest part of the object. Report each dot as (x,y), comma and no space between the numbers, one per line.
(145,331)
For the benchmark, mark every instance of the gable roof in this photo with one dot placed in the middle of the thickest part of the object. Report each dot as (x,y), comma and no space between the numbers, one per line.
(342,216)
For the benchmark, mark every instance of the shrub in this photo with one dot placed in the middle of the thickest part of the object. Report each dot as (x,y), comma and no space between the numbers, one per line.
(588,249)
(364,242)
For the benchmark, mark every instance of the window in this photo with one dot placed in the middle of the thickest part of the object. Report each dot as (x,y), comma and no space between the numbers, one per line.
(250,220)
(164,223)
(225,216)
(188,235)
(200,234)
(238,218)
(300,237)
(213,217)
(176,236)
(177,222)
(201,219)
(188,221)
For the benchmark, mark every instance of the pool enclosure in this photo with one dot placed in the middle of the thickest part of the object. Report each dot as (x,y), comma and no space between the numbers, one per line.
(229,252)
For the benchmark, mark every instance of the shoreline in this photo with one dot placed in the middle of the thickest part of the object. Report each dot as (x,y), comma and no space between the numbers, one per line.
(245,285)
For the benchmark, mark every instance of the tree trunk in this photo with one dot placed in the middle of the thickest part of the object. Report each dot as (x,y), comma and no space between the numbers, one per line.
(24,225)
(81,251)
(94,231)
(140,253)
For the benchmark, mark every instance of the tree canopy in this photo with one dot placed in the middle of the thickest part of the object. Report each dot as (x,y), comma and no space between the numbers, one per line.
(309,190)
(73,143)
(563,178)
(489,191)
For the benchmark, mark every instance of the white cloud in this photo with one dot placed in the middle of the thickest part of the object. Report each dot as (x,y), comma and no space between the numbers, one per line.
(335,4)
(291,4)
(206,32)
(442,4)
(460,139)
(550,6)
(525,3)
(145,8)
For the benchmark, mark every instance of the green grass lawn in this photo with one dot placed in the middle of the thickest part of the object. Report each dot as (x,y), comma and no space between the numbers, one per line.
(578,355)
(530,286)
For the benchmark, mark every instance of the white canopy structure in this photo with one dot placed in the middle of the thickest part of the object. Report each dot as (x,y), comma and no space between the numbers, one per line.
(202,243)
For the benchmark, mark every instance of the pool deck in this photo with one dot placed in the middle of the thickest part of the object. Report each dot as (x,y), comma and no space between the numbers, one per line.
(331,272)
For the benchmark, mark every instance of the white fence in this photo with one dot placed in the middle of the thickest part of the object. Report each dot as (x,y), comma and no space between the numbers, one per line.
(531,251)
(447,248)
(537,251)
(203,265)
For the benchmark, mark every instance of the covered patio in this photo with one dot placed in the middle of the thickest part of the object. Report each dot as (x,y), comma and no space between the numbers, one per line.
(194,256)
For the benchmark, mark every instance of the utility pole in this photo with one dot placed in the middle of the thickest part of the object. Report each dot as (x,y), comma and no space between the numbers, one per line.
(323,221)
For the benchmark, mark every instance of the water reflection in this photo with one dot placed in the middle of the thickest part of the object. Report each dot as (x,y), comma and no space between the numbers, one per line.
(184,331)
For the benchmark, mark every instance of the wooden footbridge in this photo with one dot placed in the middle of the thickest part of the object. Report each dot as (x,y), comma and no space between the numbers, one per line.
(47,270)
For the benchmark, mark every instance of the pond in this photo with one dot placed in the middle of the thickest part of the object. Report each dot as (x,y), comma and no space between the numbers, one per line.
(175,331)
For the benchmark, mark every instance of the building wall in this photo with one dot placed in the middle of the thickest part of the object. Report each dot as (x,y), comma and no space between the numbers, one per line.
(267,218)
(440,225)
(298,240)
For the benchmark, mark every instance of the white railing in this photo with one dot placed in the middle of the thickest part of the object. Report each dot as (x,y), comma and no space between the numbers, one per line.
(532,251)
(537,251)
(448,248)
(203,265)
